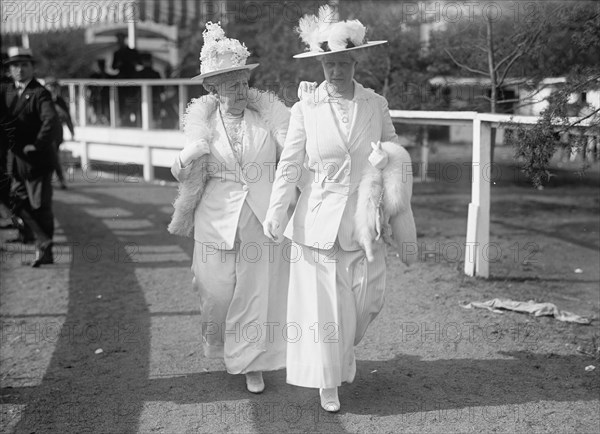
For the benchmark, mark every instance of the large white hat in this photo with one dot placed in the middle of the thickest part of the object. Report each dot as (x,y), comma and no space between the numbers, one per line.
(325,35)
(220,54)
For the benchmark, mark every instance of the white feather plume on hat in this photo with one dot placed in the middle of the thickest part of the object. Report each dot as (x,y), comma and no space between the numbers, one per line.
(324,34)
(342,32)
(314,30)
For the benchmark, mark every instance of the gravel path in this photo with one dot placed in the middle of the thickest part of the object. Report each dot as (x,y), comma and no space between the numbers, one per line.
(107,340)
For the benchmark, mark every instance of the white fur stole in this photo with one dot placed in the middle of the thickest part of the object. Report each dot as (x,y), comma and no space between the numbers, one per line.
(383,195)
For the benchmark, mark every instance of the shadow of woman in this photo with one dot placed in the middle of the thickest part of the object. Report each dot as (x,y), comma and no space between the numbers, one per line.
(409,385)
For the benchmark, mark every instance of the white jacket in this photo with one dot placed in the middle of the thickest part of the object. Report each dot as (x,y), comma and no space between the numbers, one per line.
(214,187)
(327,204)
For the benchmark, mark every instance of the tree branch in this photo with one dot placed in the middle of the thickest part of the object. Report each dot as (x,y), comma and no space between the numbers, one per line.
(461,65)
(527,44)
(508,100)
(578,121)
(512,53)
(507,68)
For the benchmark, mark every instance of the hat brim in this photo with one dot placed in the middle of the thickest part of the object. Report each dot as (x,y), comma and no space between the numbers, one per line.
(201,77)
(20,58)
(325,53)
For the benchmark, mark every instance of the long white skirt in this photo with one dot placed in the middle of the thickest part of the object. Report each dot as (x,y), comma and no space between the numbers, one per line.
(333,297)
(243,296)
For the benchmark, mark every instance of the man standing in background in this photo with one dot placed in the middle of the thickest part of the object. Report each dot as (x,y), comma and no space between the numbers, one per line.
(32,155)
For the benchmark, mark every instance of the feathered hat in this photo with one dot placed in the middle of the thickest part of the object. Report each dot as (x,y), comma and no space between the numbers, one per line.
(220,54)
(323,34)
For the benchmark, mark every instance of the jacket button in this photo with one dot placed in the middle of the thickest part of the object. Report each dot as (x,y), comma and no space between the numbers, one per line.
(347,171)
(245,187)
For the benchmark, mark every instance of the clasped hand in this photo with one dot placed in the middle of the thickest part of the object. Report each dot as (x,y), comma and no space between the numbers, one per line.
(29,148)
(271,230)
(193,151)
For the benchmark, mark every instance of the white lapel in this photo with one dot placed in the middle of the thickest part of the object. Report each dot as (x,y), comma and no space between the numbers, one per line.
(255,135)
(323,116)
(220,143)
(363,112)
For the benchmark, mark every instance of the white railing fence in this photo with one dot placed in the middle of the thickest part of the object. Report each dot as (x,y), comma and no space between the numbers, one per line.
(127,131)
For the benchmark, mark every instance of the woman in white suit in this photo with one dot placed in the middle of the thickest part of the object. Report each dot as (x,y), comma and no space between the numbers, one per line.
(358,191)
(234,137)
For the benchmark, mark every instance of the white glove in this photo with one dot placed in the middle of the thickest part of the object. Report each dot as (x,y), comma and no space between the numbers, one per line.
(193,151)
(29,148)
(271,230)
(306,89)
(378,158)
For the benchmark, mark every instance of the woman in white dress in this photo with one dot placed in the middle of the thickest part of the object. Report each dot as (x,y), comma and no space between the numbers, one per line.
(358,191)
(234,137)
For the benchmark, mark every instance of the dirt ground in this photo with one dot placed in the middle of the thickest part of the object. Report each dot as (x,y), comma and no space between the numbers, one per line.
(107,339)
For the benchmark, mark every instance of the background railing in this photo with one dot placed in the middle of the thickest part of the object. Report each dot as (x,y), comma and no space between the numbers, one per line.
(138,122)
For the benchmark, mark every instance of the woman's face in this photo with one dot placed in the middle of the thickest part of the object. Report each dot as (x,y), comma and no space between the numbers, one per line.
(339,70)
(233,94)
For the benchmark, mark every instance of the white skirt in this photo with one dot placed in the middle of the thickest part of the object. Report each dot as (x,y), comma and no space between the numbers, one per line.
(243,296)
(333,297)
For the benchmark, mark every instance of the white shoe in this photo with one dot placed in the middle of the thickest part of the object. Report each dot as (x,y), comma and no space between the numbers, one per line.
(329,399)
(254,382)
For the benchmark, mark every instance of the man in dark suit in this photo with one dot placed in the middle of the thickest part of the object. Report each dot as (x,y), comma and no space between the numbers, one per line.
(31,155)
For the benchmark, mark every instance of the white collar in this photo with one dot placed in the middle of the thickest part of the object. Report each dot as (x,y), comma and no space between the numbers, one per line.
(22,84)
(359,92)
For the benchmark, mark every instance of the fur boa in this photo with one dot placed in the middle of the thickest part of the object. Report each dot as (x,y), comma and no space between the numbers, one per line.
(383,195)
(199,123)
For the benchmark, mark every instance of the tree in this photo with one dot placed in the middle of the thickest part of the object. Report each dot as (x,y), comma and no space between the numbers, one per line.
(62,54)
(524,46)
(535,146)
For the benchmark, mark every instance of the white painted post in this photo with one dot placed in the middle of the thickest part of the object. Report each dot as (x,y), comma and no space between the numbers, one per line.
(113,105)
(478,224)
(425,154)
(131,32)
(82,106)
(483,224)
(84,157)
(146,106)
(183,100)
(148,167)
(72,101)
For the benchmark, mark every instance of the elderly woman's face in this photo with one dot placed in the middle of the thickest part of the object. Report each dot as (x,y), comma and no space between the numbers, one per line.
(339,70)
(233,95)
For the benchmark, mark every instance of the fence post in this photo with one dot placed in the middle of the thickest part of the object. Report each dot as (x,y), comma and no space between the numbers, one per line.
(148,167)
(82,106)
(183,100)
(84,156)
(146,106)
(478,223)
(424,154)
(73,102)
(113,105)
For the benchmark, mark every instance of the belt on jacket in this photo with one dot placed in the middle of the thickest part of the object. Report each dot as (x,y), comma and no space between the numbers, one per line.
(228,176)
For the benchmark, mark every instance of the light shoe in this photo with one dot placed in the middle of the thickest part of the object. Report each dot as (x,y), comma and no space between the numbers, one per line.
(329,399)
(254,382)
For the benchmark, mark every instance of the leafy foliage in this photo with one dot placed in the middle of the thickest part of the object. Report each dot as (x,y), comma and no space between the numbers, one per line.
(536,145)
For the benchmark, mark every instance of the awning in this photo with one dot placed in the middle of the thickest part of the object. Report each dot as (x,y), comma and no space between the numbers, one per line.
(39,16)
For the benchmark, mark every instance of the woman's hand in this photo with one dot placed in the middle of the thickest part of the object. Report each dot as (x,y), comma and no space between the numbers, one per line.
(193,151)
(271,230)
(306,89)
(378,157)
